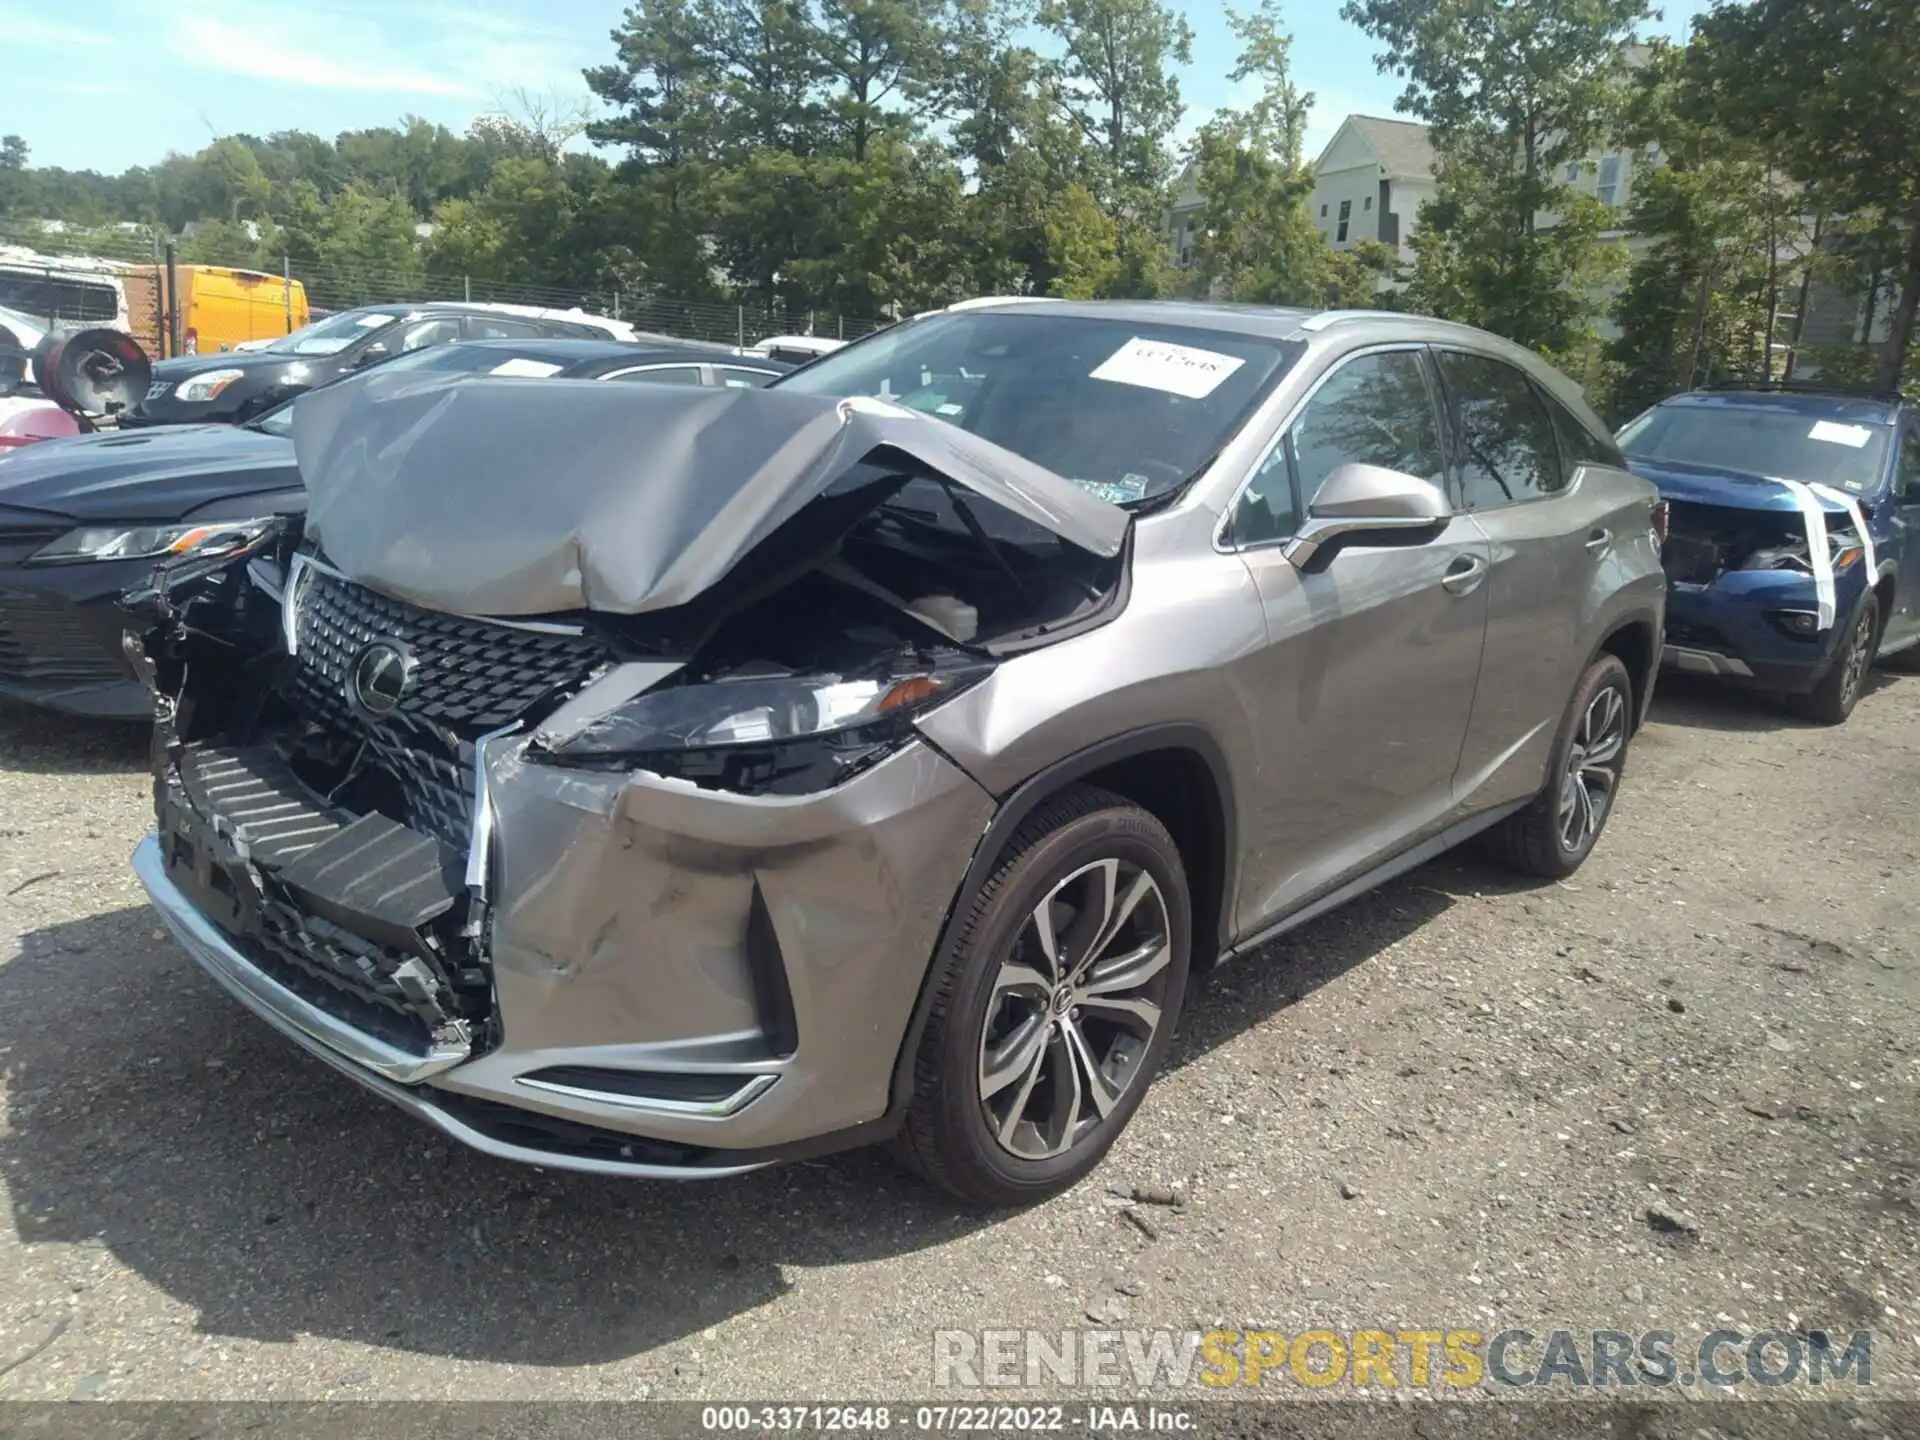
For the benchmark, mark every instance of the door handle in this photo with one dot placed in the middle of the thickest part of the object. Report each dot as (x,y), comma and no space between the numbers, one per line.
(1599,542)
(1463,577)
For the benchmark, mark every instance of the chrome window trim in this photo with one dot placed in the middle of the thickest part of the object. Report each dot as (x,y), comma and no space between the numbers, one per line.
(1221,544)
(693,365)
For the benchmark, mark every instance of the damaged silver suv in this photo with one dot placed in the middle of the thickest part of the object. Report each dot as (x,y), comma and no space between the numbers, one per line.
(660,782)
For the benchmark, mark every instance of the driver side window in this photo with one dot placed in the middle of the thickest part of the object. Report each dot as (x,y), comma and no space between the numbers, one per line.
(1373,410)
(1909,476)
(428,332)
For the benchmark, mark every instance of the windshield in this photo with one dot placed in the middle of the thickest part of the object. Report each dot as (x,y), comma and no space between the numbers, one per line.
(1782,444)
(1128,409)
(333,334)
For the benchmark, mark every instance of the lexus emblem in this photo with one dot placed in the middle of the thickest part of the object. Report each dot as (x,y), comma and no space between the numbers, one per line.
(379,678)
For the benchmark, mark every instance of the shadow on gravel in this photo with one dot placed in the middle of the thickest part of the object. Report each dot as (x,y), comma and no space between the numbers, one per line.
(244,1179)
(44,743)
(1704,704)
(1252,989)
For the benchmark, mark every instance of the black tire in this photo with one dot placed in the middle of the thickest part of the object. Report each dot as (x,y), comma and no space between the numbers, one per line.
(1535,840)
(1831,701)
(947,1137)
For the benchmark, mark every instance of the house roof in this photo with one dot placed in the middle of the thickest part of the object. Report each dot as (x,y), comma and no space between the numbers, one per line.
(1404,146)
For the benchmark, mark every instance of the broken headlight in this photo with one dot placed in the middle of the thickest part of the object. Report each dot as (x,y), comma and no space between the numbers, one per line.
(136,542)
(788,734)
(1843,547)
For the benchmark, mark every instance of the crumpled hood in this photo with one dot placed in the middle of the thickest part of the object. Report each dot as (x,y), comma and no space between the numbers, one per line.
(530,497)
(1712,485)
(162,474)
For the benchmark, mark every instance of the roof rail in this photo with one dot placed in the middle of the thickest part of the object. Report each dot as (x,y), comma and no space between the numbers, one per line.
(980,302)
(1809,387)
(1325,318)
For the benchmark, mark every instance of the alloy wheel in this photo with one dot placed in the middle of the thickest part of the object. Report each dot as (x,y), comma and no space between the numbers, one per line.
(1593,769)
(1858,659)
(1074,1008)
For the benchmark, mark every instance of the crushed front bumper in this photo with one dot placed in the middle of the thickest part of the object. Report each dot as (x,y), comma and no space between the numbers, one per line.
(684,982)
(1729,628)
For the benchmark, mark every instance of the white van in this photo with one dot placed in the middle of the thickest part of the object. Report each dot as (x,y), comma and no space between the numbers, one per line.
(64,290)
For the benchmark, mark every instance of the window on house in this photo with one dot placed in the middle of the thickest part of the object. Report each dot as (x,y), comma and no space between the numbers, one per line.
(1323,212)
(1609,187)
(1346,214)
(1367,204)
(1573,172)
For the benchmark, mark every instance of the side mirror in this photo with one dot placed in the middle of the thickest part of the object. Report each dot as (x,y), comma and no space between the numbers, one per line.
(373,355)
(1359,502)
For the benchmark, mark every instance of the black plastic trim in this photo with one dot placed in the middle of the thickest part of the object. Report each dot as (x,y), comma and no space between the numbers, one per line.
(1019,803)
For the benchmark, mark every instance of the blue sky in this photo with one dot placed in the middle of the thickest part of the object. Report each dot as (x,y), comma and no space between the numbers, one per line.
(122,82)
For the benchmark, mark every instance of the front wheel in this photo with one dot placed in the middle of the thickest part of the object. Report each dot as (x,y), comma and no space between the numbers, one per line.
(1832,700)
(1055,1004)
(1556,833)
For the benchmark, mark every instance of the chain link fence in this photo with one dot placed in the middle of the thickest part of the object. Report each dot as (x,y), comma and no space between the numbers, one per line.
(64,275)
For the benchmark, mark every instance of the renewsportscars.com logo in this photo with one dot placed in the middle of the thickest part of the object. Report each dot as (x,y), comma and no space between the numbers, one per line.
(1453,1359)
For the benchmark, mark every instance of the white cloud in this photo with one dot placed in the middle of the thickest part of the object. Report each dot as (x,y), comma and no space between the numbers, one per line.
(287,56)
(21,31)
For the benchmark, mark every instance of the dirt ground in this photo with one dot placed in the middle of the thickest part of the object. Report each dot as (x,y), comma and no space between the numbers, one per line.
(1452,1104)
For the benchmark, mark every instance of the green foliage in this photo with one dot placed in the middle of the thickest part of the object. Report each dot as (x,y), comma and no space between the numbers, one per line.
(1726,241)
(1514,90)
(1255,238)
(1832,88)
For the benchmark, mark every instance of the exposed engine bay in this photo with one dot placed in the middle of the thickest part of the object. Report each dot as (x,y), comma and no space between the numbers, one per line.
(1706,541)
(321,744)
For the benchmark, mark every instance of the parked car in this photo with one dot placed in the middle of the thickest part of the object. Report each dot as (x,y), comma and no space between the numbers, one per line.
(1790,560)
(785,769)
(82,522)
(234,387)
(798,349)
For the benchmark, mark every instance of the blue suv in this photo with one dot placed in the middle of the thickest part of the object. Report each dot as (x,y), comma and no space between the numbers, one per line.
(1793,545)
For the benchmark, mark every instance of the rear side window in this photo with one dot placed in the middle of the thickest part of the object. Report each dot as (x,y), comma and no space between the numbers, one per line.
(1578,445)
(1909,481)
(1503,435)
(741,377)
(661,374)
(488,327)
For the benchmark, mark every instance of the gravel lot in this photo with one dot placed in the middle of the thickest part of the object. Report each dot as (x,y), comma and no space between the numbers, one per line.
(1450,1104)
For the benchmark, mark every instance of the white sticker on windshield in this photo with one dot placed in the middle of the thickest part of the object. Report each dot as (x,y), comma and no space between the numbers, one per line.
(1837,434)
(1175,369)
(517,366)
(374,322)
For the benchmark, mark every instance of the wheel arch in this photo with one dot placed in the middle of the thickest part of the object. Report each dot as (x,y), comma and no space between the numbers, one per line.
(1178,773)
(1634,640)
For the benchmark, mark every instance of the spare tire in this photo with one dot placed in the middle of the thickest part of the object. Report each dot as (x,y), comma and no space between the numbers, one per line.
(92,372)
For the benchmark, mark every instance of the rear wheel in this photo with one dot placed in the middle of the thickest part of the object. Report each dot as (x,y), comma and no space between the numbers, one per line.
(1055,1006)
(1556,833)
(1832,700)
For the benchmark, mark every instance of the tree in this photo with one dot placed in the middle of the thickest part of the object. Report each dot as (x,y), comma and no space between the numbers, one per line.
(1513,91)
(872,51)
(14,180)
(1115,82)
(1255,238)
(1833,88)
(1729,242)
